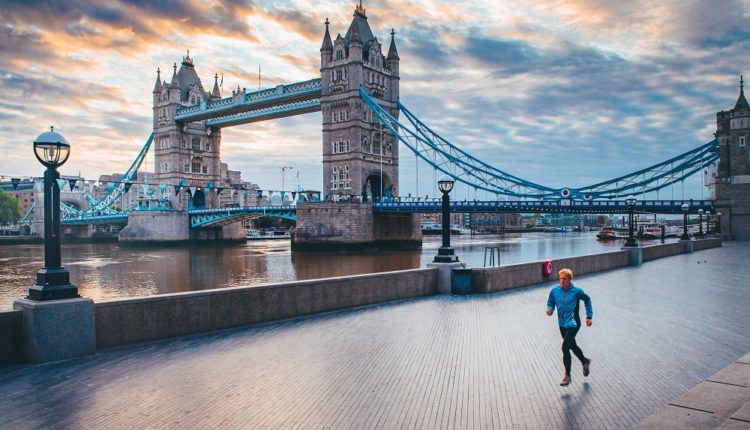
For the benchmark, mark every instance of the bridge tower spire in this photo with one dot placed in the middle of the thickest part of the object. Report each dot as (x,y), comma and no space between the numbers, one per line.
(359,156)
(731,186)
(186,155)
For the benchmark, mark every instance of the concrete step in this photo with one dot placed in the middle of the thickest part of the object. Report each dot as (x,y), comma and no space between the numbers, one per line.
(720,402)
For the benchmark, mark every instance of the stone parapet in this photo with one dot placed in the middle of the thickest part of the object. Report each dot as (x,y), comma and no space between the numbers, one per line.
(120,322)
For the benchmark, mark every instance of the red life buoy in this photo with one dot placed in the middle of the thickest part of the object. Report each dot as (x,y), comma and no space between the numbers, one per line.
(547,267)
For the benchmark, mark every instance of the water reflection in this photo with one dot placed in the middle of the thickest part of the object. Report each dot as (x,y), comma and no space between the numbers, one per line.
(106,271)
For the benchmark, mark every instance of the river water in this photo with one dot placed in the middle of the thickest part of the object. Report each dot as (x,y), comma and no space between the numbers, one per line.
(107,271)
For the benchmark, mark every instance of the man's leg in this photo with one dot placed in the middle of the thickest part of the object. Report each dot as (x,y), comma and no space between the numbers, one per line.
(574,345)
(565,332)
(570,338)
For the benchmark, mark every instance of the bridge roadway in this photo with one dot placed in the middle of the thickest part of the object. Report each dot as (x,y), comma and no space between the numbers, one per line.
(213,217)
(469,362)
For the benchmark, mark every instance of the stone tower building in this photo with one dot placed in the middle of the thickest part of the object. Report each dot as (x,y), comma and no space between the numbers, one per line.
(357,151)
(732,184)
(185,154)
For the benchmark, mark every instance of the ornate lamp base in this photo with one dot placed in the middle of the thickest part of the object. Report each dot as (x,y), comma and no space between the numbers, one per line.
(52,284)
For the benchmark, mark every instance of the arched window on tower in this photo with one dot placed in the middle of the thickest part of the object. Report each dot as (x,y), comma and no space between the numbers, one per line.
(196,144)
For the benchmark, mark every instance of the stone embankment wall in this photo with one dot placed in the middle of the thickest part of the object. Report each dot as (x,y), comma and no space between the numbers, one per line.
(488,280)
(125,321)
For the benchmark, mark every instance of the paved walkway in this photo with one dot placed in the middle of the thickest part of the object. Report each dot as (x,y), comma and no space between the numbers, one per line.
(720,402)
(488,361)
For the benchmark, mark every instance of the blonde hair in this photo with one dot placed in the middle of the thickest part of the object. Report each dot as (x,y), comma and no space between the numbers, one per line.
(565,272)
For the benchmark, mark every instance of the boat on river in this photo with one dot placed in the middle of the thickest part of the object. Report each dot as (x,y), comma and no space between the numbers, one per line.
(254,234)
(612,233)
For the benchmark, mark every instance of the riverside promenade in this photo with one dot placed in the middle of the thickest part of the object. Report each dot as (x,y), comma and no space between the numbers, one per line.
(478,361)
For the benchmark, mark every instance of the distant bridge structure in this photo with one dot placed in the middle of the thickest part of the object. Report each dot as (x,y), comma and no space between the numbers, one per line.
(364,125)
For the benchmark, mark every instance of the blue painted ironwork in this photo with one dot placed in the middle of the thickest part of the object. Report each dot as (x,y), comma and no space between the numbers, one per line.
(544,206)
(98,219)
(464,168)
(104,211)
(202,218)
(69,211)
(656,177)
(25,219)
(129,176)
(250,101)
(280,110)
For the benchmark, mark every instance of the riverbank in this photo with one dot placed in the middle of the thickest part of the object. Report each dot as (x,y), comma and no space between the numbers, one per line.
(30,240)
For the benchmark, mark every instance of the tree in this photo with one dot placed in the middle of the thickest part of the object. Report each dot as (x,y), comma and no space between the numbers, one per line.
(9,211)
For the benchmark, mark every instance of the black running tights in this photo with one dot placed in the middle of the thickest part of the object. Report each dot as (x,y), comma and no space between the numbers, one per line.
(569,343)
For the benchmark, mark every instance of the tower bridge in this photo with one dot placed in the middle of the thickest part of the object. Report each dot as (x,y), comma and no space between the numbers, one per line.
(364,124)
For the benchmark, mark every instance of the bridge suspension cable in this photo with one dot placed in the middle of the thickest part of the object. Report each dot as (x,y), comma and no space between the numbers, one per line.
(463,167)
(100,206)
(450,160)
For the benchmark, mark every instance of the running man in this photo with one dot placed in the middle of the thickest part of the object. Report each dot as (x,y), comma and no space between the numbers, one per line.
(565,297)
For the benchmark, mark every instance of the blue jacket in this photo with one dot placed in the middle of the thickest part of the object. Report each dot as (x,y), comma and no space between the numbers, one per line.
(566,301)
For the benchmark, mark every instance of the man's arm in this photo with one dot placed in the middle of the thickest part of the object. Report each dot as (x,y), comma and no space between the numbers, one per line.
(550,303)
(589,308)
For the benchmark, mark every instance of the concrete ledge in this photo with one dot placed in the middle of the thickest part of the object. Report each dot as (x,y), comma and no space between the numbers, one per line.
(125,321)
(10,336)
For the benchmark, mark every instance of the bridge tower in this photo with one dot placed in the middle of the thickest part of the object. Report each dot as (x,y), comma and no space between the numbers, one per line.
(185,154)
(359,156)
(731,188)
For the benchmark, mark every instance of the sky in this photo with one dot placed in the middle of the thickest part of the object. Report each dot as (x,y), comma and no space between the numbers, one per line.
(561,93)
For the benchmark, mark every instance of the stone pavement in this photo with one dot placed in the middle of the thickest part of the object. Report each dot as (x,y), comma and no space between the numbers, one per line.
(721,402)
(490,361)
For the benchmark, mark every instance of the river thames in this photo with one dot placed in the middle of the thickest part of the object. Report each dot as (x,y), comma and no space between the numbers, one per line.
(108,271)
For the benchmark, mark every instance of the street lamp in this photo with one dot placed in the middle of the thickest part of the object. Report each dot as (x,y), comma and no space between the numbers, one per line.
(700,222)
(718,223)
(708,222)
(630,200)
(52,281)
(445,253)
(685,209)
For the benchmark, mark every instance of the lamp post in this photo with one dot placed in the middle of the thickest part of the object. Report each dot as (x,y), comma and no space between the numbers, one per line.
(685,209)
(630,200)
(445,253)
(718,223)
(700,222)
(52,281)
(708,222)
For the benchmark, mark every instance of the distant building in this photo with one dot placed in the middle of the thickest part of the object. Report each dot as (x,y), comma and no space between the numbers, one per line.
(24,193)
(731,185)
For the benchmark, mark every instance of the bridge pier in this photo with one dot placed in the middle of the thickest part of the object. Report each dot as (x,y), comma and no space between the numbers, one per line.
(158,226)
(161,227)
(352,225)
(228,233)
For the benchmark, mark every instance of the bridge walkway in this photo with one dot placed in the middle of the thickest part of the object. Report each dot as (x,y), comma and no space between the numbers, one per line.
(468,362)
